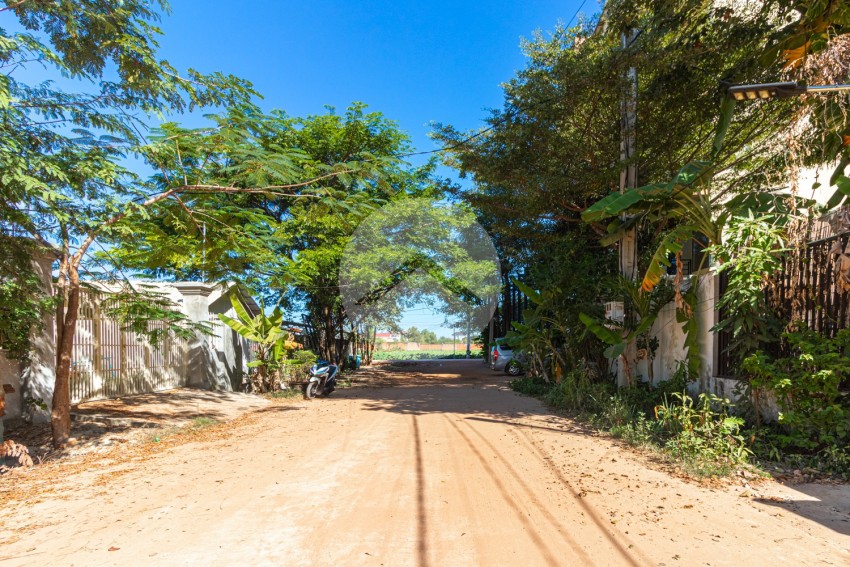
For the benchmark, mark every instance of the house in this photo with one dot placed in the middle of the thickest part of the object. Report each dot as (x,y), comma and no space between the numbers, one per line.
(387,337)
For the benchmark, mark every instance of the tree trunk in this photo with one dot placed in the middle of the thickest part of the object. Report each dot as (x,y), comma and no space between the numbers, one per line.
(66,327)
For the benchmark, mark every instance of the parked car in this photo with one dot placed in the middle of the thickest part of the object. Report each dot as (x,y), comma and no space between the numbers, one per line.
(517,364)
(500,355)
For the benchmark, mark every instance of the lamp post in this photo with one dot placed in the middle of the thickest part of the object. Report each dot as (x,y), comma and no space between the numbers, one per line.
(780,90)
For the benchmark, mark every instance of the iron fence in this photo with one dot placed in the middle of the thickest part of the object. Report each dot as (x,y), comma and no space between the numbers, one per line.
(809,288)
(109,361)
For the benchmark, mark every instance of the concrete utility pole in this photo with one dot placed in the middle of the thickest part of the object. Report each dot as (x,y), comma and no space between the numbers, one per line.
(468,349)
(628,176)
(628,180)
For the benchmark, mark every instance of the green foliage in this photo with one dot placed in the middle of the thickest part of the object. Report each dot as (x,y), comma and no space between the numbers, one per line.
(572,274)
(425,336)
(577,391)
(642,308)
(531,385)
(814,414)
(297,368)
(22,298)
(702,436)
(752,252)
(703,431)
(271,342)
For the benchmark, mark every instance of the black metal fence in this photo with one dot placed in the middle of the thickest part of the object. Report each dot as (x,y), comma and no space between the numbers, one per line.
(512,303)
(808,289)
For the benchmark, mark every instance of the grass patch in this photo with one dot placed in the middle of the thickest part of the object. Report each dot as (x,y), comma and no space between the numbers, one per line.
(195,425)
(285,394)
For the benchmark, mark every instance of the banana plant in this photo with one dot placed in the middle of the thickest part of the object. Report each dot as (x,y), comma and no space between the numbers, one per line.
(271,341)
(687,205)
(643,308)
(540,335)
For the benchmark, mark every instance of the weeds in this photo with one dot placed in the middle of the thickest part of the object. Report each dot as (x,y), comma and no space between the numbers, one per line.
(197,424)
(700,435)
(285,394)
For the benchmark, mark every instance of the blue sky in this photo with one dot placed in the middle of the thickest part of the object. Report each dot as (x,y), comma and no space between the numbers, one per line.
(416,62)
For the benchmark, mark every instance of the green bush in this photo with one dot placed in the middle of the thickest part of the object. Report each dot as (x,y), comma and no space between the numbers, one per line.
(578,392)
(531,386)
(703,431)
(701,435)
(813,413)
(297,368)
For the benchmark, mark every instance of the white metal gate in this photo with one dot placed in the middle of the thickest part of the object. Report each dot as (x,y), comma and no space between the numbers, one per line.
(109,362)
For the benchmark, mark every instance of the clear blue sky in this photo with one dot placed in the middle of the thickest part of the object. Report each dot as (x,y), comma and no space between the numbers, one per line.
(416,62)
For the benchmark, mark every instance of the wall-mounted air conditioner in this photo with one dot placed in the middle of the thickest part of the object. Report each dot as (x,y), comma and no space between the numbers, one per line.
(615,311)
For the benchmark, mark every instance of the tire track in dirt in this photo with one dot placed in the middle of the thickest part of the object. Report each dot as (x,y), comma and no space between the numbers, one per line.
(421,513)
(505,494)
(517,431)
(468,509)
(557,525)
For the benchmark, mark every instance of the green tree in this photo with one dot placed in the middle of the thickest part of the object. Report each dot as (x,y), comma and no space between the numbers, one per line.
(63,183)
(552,151)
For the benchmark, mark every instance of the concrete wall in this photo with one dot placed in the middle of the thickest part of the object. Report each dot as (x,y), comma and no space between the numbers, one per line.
(34,381)
(10,374)
(235,351)
(214,365)
(671,338)
(207,368)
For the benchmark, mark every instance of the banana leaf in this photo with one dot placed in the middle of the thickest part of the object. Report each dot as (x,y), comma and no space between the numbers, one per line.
(672,243)
(602,332)
(532,295)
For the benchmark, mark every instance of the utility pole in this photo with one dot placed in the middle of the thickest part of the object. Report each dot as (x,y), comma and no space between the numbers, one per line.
(468,349)
(628,180)
(490,338)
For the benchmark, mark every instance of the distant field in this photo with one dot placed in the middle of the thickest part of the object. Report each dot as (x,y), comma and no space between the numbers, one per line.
(422,354)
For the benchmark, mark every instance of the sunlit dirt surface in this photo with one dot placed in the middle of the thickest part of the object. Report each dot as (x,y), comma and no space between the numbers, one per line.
(427,463)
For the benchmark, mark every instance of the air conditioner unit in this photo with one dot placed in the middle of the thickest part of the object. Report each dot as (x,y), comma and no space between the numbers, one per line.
(615,311)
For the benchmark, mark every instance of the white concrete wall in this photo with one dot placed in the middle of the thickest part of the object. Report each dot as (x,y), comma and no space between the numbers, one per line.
(671,338)
(39,376)
(10,373)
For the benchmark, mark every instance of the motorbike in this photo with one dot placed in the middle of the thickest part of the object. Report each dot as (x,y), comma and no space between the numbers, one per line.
(322,381)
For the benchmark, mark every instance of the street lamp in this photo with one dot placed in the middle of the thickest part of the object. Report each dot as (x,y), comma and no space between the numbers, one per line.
(779,90)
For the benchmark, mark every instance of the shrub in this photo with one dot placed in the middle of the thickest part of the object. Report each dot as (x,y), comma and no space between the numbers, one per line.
(578,392)
(703,431)
(531,386)
(702,435)
(814,415)
(297,368)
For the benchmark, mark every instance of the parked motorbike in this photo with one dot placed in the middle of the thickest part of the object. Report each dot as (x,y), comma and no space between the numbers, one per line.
(322,381)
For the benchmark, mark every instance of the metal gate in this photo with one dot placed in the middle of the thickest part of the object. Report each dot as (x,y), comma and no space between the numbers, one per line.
(109,362)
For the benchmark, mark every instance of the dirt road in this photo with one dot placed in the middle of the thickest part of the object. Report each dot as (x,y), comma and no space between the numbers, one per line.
(433,464)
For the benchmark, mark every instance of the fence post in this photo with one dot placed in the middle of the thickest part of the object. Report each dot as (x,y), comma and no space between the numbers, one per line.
(202,364)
